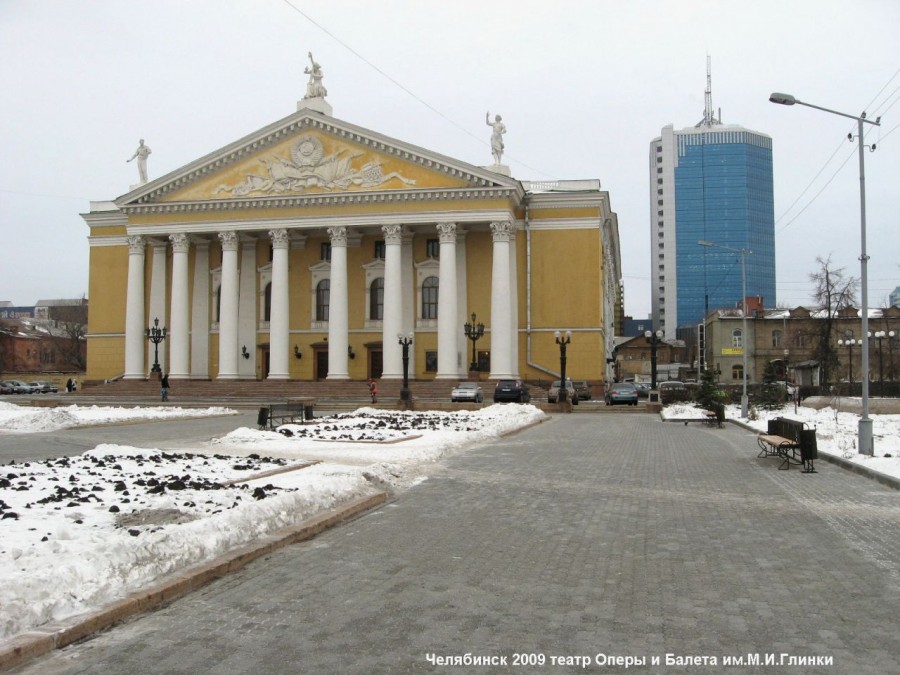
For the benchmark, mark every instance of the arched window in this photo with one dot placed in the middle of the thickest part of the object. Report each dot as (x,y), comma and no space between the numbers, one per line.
(430,298)
(737,372)
(737,338)
(323,293)
(267,316)
(376,300)
(776,338)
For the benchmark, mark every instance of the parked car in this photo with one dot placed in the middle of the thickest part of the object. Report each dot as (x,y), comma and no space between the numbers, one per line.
(6,388)
(511,390)
(643,389)
(20,387)
(42,387)
(467,391)
(672,391)
(583,390)
(621,392)
(553,392)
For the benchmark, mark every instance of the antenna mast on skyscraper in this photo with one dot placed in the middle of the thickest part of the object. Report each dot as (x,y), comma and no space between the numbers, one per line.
(709,117)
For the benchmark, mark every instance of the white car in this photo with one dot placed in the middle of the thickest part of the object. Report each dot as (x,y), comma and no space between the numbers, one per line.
(467,392)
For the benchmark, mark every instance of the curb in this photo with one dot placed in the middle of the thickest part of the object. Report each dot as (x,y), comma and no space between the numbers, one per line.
(21,648)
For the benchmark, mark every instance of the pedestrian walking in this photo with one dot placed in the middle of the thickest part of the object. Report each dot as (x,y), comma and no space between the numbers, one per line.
(69,385)
(373,390)
(164,387)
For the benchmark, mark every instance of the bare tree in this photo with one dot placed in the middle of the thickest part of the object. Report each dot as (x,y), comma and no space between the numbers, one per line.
(833,291)
(73,320)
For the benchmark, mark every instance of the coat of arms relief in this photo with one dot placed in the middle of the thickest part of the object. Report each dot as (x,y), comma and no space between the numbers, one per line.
(309,167)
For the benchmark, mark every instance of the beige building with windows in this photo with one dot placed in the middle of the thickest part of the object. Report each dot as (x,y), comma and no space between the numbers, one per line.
(305,249)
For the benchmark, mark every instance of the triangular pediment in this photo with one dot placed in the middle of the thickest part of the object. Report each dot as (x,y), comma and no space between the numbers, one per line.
(308,155)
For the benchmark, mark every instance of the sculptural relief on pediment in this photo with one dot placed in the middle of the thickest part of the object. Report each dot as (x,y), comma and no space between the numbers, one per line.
(309,166)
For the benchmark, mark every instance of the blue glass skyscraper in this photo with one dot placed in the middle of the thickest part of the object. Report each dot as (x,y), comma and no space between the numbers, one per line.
(710,182)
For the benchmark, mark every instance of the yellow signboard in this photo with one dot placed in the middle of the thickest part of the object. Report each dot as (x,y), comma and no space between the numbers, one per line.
(732,351)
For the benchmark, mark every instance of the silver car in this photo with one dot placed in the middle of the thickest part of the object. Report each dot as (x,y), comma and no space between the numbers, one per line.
(467,392)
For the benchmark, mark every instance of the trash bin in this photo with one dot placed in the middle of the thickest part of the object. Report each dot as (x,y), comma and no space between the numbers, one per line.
(262,419)
(308,413)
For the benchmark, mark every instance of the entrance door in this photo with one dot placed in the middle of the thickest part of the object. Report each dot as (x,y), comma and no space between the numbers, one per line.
(321,364)
(375,364)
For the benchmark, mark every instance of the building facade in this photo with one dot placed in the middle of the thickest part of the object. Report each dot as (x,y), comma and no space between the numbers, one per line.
(789,338)
(306,249)
(711,182)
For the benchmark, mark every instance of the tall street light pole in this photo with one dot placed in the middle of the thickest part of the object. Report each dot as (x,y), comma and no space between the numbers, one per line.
(743,252)
(655,339)
(865,442)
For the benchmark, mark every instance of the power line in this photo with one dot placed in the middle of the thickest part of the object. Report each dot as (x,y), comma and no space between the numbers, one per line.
(400,86)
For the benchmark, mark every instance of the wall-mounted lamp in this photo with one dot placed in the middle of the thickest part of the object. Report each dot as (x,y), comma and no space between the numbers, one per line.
(244,352)
(297,353)
(350,352)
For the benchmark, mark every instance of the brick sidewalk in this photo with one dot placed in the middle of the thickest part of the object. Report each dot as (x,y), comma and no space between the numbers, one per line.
(619,535)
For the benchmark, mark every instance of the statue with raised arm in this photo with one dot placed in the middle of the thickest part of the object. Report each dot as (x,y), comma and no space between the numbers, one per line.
(497,136)
(314,88)
(141,154)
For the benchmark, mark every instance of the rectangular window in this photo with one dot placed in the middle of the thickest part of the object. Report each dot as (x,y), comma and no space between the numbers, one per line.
(379,250)
(325,251)
(433,248)
(431,362)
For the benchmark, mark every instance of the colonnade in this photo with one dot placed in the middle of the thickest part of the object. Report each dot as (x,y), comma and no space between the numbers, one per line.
(188,315)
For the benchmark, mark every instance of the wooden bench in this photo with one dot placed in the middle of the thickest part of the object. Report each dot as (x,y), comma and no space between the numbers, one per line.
(293,411)
(791,440)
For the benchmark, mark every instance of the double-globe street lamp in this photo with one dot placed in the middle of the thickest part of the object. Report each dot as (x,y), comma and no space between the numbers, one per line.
(563,341)
(743,252)
(849,342)
(655,339)
(865,443)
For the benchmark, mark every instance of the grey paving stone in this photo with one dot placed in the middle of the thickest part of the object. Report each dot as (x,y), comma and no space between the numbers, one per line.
(613,534)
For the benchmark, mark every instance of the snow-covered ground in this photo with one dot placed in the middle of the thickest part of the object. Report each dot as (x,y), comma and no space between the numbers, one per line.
(836,432)
(79,532)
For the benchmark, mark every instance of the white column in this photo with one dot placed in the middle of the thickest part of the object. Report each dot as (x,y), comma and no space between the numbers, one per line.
(462,309)
(447,303)
(501,310)
(248,316)
(279,319)
(135,328)
(228,308)
(338,313)
(200,312)
(392,324)
(513,304)
(179,327)
(158,301)
(408,274)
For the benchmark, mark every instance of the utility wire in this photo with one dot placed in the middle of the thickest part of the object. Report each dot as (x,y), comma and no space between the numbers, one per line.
(399,85)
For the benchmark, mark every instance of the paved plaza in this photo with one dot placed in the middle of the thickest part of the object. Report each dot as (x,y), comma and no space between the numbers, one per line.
(600,536)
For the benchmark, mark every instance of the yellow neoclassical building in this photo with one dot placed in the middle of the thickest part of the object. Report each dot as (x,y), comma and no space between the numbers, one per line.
(304,251)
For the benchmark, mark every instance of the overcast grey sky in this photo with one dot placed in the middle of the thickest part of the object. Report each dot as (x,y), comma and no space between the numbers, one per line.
(583,87)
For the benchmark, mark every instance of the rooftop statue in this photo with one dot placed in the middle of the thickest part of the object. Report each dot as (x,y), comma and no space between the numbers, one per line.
(314,88)
(497,136)
(141,154)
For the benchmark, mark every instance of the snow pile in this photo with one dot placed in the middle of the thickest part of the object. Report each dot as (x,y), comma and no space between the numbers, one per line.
(79,532)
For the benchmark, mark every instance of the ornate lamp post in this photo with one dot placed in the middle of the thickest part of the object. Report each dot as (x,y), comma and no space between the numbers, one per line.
(474,332)
(849,342)
(405,341)
(156,335)
(655,339)
(865,442)
(563,341)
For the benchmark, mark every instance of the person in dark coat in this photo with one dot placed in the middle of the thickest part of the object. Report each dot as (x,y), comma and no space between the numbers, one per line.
(164,387)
